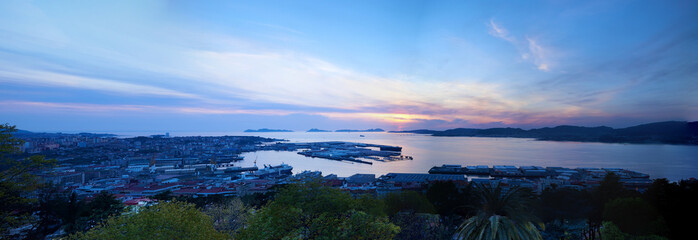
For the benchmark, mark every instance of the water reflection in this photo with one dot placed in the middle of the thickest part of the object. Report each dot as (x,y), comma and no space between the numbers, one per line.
(668,161)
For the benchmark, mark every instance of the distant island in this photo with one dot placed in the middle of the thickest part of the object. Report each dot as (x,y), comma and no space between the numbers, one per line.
(418,131)
(367,130)
(29,134)
(671,132)
(268,130)
(317,130)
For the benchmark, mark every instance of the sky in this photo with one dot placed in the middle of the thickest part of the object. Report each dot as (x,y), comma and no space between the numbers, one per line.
(109,66)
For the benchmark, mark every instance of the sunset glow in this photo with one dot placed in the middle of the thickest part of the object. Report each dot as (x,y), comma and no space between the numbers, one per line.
(397,65)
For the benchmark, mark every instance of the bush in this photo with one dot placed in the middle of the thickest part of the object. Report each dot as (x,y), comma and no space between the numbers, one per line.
(166,221)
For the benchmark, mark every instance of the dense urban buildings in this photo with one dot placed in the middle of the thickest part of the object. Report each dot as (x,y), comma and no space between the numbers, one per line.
(135,169)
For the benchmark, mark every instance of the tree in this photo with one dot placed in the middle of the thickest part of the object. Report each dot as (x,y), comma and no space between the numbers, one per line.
(167,220)
(564,212)
(502,214)
(312,211)
(360,225)
(419,226)
(561,204)
(610,188)
(51,211)
(18,180)
(230,216)
(62,209)
(448,199)
(634,216)
(674,201)
(610,231)
(74,209)
(103,206)
(409,201)
(164,196)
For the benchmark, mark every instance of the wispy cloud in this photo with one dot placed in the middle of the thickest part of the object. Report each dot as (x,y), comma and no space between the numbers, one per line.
(306,81)
(530,50)
(33,106)
(470,117)
(538,54)
(46,78)
(214,66)
(500,32)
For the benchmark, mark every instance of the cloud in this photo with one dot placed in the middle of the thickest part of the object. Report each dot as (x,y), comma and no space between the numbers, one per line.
(500,32)
(539,55)
(87,108)
(47,78)
(459,118)
(530,50)
(214,73)
(301,80)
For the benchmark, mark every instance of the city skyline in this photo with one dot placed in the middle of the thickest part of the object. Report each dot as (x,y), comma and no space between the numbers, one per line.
(396,65)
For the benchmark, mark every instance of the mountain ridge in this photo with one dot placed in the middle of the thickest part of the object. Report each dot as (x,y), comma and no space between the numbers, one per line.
(671,132)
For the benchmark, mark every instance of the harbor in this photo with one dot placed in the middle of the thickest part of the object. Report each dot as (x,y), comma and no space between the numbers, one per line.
(363,153)
(573,176)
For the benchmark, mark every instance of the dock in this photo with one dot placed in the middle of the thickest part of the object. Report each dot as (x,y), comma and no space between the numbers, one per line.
(363,153)
(507,171)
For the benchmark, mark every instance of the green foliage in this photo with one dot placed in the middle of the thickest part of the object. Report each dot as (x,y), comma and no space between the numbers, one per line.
(73,210)
(610,231)
(673,202)
(173,220)
(558,229)
(164,196)
(515,202)
(103,206)
(273,222)
(370,205)
(18,180)
(561,204)
(361,225)
(634,216)
(51,211)
(408,201)
(199,202)
(258,200)
(501,215)
(417,226)
(230,216)
(56,209)
(447,199)
(313,211)
(497,227)
(609,189)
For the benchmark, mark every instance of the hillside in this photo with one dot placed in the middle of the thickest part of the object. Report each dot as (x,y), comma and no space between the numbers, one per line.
(671,132)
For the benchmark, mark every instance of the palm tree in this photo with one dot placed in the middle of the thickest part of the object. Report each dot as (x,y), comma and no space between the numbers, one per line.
(501,215)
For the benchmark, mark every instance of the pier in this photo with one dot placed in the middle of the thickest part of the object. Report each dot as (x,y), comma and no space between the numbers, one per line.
(363,153)
(507,171)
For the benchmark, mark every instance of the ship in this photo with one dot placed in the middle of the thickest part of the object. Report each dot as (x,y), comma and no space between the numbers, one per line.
(230,167)
(448,169)
(274,171)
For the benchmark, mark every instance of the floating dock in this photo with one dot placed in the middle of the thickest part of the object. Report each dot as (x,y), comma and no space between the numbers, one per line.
(507,171)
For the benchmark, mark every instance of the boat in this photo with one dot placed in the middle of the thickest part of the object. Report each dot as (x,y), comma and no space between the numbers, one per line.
(448,169)
(240,169)
(274,171)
